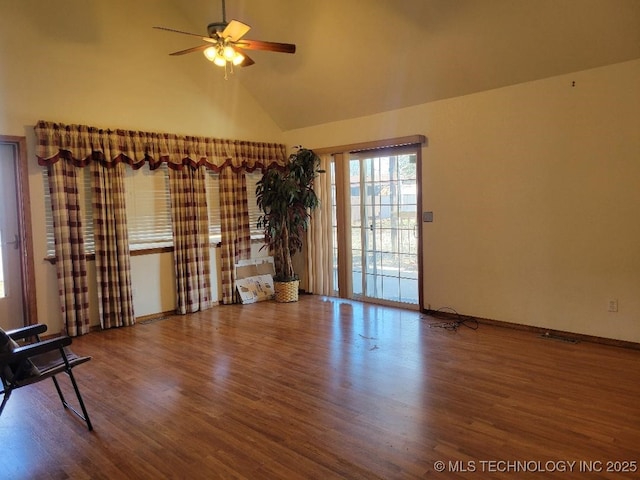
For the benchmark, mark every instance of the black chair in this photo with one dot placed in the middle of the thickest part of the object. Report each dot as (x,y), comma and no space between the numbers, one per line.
(34,360)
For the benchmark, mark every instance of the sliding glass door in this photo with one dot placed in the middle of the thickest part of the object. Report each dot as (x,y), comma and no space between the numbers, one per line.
(380,221)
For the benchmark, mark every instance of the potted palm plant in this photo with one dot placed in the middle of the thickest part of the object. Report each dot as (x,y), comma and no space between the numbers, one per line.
(286,198)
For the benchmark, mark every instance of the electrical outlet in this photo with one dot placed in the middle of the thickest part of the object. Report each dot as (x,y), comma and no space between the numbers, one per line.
(613,305)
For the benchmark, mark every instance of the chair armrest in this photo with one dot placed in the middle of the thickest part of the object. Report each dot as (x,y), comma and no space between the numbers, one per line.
(32,349)
(29,331)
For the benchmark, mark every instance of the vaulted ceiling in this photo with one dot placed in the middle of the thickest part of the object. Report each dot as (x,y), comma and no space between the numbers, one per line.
(361,57)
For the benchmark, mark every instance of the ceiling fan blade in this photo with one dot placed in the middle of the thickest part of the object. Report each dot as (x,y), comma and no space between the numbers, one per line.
(268,46)
(206,39)
(199,48)
(248,61)
(179,31)
(235,30)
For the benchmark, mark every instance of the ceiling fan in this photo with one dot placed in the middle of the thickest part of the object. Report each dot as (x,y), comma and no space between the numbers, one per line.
(226,44)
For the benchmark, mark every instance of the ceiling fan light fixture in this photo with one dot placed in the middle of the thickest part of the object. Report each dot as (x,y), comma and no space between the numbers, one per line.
(229,53)
(238,59)
(225,43)
(222,55)
(210,53)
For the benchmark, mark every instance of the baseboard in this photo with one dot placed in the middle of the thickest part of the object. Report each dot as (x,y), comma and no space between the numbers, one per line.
(155,316)
(140,319)
(538,330)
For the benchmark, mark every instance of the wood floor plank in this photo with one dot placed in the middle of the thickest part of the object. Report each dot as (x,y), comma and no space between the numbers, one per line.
(329,389)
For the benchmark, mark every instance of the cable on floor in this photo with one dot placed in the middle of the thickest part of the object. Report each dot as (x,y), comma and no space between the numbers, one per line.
(452,325)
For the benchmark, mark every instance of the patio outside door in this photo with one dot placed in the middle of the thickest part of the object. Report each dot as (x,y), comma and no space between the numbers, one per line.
(11,299)
(379,214)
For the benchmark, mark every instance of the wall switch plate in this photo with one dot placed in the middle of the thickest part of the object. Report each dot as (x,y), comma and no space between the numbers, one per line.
(613,305)
(427,216)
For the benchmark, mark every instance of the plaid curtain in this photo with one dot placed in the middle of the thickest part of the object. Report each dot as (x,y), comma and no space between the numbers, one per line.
(236,237)
(190,239)
(81,143)
(69,244)
(113,269)
(319,260)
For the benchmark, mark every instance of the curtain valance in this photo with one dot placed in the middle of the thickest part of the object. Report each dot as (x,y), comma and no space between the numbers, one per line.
(82,144)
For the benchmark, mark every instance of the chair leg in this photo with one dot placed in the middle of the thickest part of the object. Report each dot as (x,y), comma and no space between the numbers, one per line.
(5,399)
(84,415)
(60,394)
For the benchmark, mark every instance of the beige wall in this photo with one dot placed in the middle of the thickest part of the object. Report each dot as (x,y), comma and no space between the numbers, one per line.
(153,282)
(91,63)
(535,190)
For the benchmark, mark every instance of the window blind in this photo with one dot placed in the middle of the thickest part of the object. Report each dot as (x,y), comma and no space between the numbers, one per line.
(148,207)
(212,185)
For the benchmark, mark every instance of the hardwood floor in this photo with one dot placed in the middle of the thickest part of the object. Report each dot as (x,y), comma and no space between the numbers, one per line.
(329,389)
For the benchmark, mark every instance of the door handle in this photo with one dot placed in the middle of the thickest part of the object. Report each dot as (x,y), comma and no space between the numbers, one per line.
(16,242)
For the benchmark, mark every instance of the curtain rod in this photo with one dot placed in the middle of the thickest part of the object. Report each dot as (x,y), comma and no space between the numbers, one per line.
(374,145)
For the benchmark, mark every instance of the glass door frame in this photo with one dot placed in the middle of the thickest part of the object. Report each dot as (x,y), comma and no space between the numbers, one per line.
(29,299)
(342,229)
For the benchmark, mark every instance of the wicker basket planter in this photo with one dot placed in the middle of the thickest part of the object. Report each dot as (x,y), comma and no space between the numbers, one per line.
(286,291)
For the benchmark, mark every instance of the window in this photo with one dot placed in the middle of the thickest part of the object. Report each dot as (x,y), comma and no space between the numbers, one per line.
(147,202)
(51,252)
(212,186)
(148,207)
